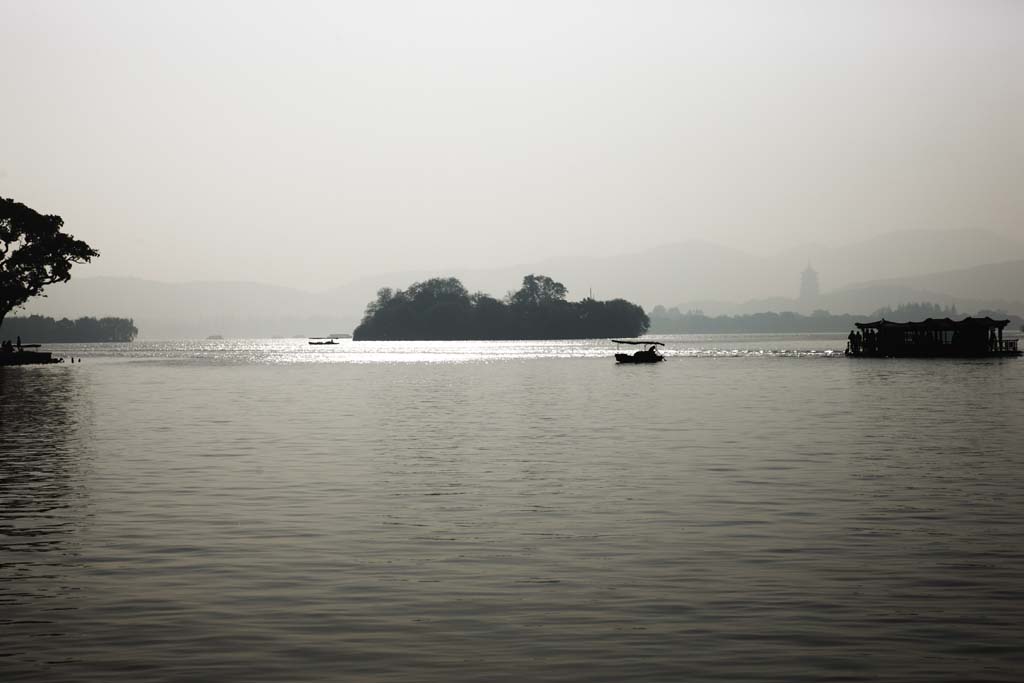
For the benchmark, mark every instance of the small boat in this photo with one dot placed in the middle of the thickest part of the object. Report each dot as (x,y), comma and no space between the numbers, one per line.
(326,342)
(649,355)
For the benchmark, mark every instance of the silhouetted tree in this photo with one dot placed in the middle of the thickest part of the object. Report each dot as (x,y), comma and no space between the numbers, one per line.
(34,253)
(439,289)
(538,290)
(915,311)
(384,296)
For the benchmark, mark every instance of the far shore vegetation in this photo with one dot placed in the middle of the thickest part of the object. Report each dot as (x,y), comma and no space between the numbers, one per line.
(442,309)
(673,321)
(37,329)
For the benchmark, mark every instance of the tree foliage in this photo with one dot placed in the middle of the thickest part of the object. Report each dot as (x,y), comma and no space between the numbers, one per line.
(34,253)
(915,311)
(538,290)
(672,321)
(442,308)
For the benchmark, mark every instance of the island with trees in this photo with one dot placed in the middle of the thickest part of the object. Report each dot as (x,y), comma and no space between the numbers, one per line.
(443,309)
(88,330)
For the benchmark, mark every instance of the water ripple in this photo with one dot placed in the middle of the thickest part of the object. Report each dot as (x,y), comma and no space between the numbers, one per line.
(182,512)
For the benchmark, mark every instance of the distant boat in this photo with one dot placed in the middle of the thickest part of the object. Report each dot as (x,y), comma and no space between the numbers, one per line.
(340,335)
(214,337)
(325,342)
(649,355)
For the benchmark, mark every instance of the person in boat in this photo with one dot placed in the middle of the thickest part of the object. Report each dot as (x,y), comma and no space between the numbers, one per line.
(651,352)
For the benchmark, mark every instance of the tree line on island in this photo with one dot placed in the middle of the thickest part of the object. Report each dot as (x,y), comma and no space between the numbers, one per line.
(38,329)
(672,321)
(443,309)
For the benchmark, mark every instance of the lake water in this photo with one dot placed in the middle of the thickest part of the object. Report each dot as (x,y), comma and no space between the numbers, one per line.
(755,508)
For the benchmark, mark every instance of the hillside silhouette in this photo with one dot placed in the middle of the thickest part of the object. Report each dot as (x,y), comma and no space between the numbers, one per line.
(858,278)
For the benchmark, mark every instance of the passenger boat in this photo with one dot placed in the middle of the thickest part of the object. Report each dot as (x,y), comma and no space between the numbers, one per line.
(322,342)
(932,338)
(649,355)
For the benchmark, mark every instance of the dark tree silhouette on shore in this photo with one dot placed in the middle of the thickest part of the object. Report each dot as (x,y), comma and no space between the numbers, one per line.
(34,253)
(442,308)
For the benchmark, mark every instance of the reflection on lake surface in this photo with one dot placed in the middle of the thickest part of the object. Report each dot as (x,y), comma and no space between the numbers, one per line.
(753,509)
(44,422)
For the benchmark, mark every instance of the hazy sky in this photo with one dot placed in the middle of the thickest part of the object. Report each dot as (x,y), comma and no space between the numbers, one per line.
(310,143)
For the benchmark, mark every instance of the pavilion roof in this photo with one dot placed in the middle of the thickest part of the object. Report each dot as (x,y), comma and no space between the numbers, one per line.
(938,324)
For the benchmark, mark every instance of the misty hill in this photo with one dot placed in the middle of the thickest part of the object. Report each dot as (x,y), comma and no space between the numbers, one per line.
(865,275)
(900,254)
(195,310)
(994,282)
(713,276)
(702,272)
(996,286)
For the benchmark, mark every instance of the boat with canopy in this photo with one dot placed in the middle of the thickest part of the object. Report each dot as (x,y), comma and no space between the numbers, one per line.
(970,337)
(645,355)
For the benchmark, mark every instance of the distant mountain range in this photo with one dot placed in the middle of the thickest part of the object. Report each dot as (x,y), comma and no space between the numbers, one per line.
(972,269)
(883,270)
(995,286)
(195,310)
